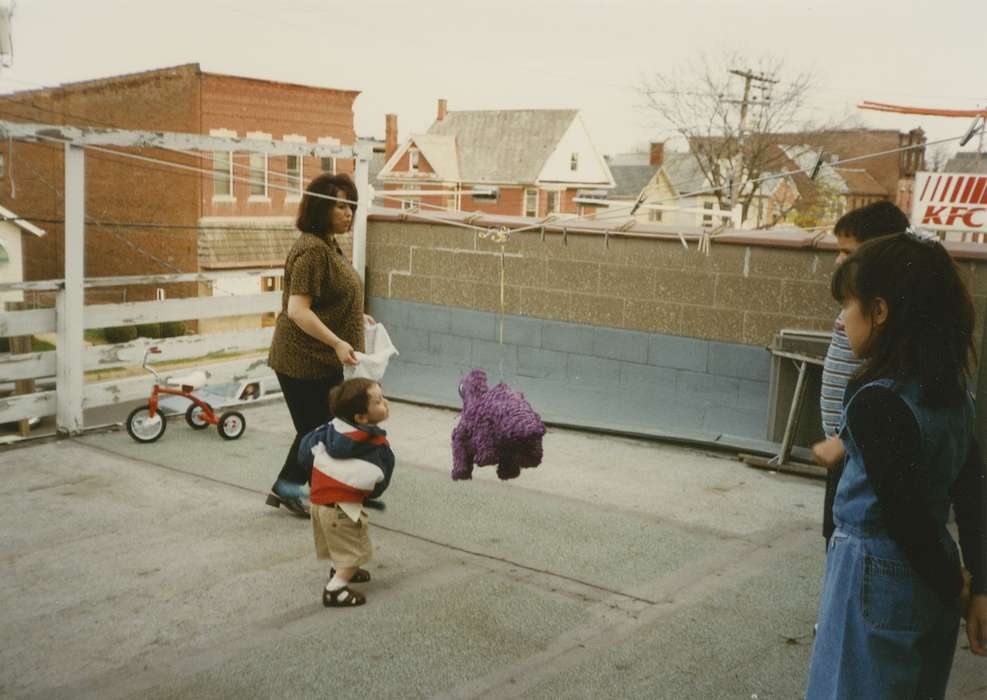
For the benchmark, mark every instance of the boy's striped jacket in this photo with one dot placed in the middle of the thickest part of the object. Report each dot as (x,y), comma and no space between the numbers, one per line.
(348,462)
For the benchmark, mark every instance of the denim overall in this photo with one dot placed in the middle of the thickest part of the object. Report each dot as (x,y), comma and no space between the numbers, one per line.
(882,632)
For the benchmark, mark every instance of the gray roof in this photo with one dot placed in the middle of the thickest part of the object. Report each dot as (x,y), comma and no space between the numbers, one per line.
(630,179)
(684,172)
(504,145)
(967,162)
(637,158)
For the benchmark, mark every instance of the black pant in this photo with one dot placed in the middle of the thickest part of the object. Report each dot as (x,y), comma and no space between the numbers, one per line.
(308,403)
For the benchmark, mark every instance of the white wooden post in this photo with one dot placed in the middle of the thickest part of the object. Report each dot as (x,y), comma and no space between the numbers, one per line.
(362,177)
(70,301)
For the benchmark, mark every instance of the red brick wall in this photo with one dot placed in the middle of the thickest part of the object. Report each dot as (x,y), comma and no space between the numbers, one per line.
(509,202)
(247,105)
(117,189)
(121,190)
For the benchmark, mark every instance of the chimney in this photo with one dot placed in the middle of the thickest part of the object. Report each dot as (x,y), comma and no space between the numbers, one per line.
(657,154)
(443,110)
(390,135)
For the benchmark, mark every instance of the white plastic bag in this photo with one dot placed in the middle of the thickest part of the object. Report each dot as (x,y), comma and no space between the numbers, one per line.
(379,350)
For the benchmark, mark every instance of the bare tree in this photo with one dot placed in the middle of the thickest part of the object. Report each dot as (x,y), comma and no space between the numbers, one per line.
(727,111)
(937,156)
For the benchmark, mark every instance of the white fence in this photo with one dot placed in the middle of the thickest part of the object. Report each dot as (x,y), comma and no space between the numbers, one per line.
(38,365)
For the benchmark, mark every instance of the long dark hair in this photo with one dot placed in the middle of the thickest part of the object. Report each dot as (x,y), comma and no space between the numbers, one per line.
(928,335)
(314,212)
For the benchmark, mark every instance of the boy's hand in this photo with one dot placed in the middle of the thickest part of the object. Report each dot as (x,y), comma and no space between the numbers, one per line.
(829,452)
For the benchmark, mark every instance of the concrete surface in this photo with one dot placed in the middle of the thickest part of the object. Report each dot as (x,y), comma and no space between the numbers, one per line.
(619,568)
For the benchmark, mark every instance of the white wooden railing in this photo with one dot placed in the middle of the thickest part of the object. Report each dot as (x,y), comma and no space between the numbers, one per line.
(39,365)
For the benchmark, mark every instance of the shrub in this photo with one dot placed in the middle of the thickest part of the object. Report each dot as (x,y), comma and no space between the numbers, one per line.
(39,345)
(149,330)
(170,329)
(120,334)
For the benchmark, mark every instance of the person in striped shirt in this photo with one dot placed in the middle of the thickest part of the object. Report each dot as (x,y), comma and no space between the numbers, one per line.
(852,229)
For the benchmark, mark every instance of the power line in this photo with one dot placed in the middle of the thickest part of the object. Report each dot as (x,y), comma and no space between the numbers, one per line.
(568,222)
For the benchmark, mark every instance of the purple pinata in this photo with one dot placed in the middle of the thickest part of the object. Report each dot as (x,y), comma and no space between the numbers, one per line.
(497,426)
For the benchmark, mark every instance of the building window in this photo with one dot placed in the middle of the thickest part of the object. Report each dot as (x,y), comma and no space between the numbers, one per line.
(222,174)
(258,175)
(654,215)
(222,168)
(531,203)
(3,165)
(708,218)
(451,203)
(258,168)
(552,203)
(413,160)
(409,204)
(328,163)
(293,174)
(293,170)
(574,162)
(159,294)
(271,284)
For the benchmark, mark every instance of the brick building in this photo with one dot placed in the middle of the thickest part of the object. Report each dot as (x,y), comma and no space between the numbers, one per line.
(158,219)
(893,173)
(527,162)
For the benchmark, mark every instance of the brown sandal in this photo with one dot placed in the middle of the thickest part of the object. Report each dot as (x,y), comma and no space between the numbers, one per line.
(361,575)
(345,597)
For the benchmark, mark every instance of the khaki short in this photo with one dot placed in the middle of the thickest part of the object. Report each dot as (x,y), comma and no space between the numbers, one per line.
(338,538)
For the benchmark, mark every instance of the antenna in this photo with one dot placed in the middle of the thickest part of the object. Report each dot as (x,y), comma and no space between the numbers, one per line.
(6,34)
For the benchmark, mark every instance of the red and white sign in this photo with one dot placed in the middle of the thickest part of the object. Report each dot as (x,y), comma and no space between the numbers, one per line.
(950,202)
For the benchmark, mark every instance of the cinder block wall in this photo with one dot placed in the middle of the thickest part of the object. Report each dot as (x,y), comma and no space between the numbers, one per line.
(633,333)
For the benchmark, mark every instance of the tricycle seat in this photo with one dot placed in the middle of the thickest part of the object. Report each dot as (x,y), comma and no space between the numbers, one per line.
(189,382)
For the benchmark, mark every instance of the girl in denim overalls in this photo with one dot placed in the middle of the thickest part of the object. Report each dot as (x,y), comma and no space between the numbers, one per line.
(894,588)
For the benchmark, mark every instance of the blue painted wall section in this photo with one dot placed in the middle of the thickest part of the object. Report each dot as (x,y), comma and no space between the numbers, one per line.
(608,378)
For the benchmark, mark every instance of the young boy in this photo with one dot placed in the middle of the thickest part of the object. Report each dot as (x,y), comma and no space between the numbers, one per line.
(852,229)
(351,461)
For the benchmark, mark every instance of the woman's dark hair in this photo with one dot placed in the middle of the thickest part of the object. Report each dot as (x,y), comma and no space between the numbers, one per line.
(350,398)
(928,335)
(314,212)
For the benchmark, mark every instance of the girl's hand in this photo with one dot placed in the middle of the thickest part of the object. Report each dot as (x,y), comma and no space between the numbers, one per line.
(344,351)
(369,320)
(976,624)
(829,452)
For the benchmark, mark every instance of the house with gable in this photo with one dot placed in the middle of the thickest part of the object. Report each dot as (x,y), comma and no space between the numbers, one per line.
(676,181)
(530,162)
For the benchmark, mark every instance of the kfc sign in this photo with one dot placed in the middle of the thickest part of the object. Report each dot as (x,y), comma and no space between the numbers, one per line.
(950,202)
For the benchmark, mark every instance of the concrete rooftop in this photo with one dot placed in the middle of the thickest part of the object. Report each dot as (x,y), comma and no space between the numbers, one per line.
(621,568)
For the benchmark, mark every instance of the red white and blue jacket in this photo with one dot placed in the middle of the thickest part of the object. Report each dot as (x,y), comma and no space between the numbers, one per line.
(349,462)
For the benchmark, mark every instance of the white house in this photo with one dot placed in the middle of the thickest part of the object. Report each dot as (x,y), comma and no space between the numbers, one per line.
(12,227)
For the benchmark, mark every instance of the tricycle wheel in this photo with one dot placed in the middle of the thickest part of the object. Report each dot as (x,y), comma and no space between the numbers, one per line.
(142,428)
(195,418)
(231,425)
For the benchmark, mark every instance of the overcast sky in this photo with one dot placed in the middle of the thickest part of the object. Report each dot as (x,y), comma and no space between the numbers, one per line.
(585,54)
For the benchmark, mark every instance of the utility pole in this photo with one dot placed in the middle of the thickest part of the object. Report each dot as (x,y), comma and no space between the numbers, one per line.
(763,83)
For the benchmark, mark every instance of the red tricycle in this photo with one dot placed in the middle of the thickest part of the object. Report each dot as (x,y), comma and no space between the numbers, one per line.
(148,423)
